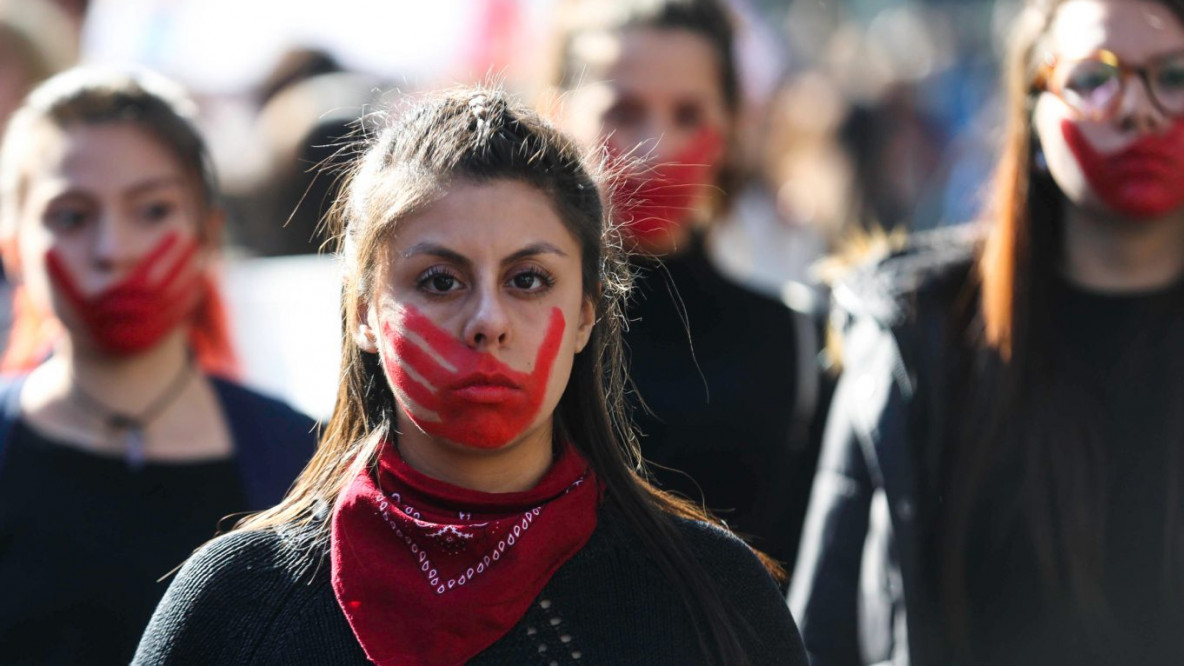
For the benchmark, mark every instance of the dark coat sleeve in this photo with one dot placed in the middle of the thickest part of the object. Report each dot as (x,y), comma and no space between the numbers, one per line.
(826,582)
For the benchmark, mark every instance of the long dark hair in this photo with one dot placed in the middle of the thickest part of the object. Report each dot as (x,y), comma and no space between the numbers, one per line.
(480,136)
(1020,414)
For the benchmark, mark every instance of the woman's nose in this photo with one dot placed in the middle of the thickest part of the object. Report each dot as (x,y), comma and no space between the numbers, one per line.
(488,325)
(1137,110)
(113,247)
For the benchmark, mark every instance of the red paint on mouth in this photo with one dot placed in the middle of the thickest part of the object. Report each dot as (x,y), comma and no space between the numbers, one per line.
(480,401)
(658,200)
(136,313)
(496,379)
(1145,180)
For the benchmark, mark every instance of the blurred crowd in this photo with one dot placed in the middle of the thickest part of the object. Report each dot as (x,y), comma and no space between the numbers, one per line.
(857,117)
(856,270)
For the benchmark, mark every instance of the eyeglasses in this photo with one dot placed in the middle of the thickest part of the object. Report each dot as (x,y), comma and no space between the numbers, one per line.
(1093,86)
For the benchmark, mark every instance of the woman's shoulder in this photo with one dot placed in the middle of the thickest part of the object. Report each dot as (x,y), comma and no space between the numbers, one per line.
(229,595)
(273,441)
(616,582)
(724,555)
(711,544)
(894,316)
(250,562)
(896,279)
(745,583)
(240,399)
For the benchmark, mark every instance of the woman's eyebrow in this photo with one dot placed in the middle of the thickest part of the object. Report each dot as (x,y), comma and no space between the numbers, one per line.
(435,250)
(542,247)
(151,184)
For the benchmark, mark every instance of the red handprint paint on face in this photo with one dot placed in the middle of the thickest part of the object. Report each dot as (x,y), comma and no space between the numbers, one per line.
(475,399)
(136,313)
(658,200)
(1145,180)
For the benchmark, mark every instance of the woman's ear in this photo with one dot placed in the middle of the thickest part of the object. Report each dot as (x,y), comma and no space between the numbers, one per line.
(366,329)
(587,320)
(214,226)
(10,256)
(209,237)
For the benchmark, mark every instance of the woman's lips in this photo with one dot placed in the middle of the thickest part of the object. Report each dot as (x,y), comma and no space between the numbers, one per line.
(1144,163)
(485,388)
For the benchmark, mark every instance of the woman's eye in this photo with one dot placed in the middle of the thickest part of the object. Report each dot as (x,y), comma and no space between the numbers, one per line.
(532,281)
(1171,77)
(65,219)
(1089,78)
(439,281)
(625,113)
(157,212)
(688,116)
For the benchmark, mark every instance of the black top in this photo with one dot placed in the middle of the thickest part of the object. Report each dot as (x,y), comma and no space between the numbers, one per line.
(83,540)
(1119,352)
(866,589)
(722,397)
(262,597)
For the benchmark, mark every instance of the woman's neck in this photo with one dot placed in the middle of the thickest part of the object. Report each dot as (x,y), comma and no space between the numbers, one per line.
(1114,255)
(515,467)
(92,401)
(125,384)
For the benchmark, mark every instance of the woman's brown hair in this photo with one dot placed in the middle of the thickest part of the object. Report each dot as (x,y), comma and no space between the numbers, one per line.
(481,136)
(1017,405)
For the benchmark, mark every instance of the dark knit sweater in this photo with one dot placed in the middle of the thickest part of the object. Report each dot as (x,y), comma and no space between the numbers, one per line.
(265,598)
(84,538)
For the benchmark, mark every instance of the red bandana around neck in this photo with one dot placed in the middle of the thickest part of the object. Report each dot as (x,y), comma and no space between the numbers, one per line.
(658,200)
(162,291)
(430,574)
(1144,180)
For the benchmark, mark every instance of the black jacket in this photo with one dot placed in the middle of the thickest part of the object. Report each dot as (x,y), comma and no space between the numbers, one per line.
(857,592)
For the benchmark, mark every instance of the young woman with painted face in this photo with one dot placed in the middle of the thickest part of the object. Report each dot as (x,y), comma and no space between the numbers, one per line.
(119,449)
(727,379)
(1001,478)
(477,496)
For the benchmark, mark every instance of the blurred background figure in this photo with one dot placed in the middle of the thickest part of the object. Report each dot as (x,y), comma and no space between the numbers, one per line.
(727,381)
(798,201)
(1001,476)
(307,120)
(123,438)
(37,39)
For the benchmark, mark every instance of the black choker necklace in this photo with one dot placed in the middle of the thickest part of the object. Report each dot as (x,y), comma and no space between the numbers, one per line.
(132,425)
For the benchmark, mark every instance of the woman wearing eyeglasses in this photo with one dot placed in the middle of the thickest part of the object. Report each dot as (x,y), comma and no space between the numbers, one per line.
(1002,480)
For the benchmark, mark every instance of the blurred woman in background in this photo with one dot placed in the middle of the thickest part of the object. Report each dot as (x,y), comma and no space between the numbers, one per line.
(727,380)
(37,40)
(1002,475)
(122,442)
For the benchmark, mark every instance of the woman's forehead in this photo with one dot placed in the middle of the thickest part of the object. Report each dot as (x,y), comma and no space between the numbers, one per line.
(1135,30)
(484,219)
